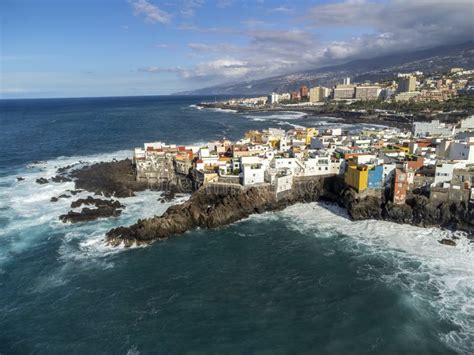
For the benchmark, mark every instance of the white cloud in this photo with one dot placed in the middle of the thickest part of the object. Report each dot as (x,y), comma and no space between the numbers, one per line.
(390,27)
(227,68)
(189,7)
(215,48)
(152,13)
(400,24)
(283,9)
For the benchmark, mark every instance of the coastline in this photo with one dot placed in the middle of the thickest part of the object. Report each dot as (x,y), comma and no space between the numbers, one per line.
(350,117)
(215,206)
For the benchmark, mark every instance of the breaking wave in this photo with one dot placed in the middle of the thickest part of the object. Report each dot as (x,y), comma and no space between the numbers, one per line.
(433,274)
(28,218)
(282,115)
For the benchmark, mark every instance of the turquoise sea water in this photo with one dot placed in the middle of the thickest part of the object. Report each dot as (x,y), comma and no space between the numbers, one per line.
(305,280)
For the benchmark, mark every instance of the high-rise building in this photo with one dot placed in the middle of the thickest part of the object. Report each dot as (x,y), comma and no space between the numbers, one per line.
(367,92)
(274,98)
(317,94)
(346,81)
(343,92)
(295,95)
(304,91)
(407,84)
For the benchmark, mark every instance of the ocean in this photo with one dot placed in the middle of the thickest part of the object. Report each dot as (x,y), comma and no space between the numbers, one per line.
(305,280)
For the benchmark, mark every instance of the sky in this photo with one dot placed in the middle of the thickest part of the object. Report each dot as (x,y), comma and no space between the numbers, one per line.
(84,48)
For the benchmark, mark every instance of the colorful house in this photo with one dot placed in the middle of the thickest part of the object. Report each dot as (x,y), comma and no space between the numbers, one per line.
(414,162)
(357,176)
(400,187)
(375,177)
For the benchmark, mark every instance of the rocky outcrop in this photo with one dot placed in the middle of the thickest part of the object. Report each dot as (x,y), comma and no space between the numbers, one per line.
(42,181)
(418,210)
(60,178)
(449,242)
(115,178)
(104,208)
(211,208)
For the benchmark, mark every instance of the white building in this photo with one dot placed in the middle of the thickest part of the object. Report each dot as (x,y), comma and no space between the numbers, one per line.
(467,124)
(433,128)
(462,150)
(444,171)
(274,98)
(317,166)
(283,182)
(337,166)
(252,174)
(293,164)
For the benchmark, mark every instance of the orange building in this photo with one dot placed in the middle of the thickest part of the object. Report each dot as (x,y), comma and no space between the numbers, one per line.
(304,91)
(400,187)
(414,162)
(295,95)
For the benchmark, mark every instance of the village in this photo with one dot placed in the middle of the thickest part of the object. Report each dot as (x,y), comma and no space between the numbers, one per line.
(409,87)
(434,159)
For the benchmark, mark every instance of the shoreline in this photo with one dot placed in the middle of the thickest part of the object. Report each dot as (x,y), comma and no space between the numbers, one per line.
(213,206)
(216,206)
(350,117)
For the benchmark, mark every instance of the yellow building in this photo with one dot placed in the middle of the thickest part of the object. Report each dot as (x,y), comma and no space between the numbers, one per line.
(254,136)
(401,148)
(357,176)
(310,133)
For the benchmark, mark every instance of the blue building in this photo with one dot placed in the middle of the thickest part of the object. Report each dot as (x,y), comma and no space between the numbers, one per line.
(376,177)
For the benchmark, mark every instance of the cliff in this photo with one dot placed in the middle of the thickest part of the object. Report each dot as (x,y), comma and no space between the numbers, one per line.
(211,208)
(418,211)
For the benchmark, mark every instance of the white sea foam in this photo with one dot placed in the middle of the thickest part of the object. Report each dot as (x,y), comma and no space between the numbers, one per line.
(218,109)
(196,107)
(30,218)
(281,115)
(286,123)
(440,275)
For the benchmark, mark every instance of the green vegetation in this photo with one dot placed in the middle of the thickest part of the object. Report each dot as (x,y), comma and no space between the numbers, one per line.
(462,103)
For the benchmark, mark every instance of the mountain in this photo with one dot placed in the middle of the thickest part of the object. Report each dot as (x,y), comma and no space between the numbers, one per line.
(427,60)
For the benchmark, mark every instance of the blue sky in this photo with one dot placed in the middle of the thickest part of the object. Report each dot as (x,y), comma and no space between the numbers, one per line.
(72,48)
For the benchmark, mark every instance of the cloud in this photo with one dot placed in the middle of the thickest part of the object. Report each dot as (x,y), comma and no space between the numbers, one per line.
(154,69)
(399,24)
(189,7)
(254,23)
(283,9)
(215,48)
(227,68)
(389,27)
(152,13)
(218,30)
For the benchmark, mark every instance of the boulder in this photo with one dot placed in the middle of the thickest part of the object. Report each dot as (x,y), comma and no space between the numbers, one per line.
(449,242)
